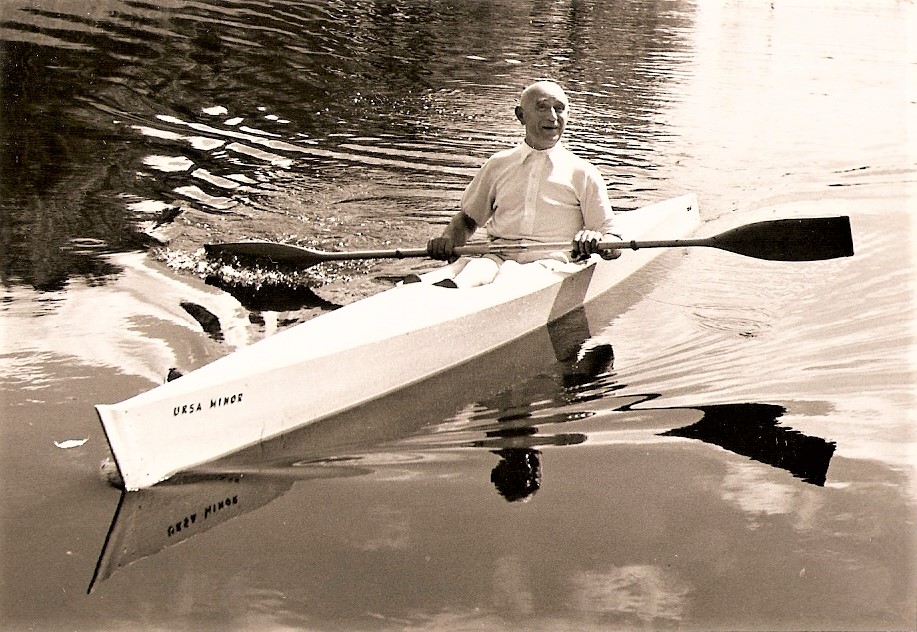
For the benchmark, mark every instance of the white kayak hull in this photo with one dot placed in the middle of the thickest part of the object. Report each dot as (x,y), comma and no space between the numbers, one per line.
(355,354)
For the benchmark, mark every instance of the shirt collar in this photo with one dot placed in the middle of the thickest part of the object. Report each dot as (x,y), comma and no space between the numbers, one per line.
(525,150)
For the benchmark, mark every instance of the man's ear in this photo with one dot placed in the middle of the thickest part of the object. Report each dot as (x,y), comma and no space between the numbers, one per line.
(520,114)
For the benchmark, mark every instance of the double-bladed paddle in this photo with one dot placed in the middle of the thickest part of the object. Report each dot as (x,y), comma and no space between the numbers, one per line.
(807,239)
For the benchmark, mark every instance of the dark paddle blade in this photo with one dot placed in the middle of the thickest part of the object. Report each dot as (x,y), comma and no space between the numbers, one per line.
(272,251)
(808,239)
(306,257)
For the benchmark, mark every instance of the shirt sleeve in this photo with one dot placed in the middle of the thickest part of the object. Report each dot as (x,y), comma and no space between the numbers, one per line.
(480,195)
(595,205)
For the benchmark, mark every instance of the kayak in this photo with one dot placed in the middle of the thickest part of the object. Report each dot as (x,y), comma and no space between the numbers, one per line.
(357,441)
(358,353)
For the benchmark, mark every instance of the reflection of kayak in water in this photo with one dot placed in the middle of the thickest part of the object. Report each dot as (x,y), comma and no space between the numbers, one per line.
(151,520)
(356,354)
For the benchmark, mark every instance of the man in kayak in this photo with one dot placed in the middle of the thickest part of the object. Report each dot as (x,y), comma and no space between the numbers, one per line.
(536,192)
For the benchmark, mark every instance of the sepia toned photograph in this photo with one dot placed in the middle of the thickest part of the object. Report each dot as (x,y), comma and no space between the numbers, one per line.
(458,315)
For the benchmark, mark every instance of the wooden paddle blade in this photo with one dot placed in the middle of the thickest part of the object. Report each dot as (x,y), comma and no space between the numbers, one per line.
(807,239)
(277,253)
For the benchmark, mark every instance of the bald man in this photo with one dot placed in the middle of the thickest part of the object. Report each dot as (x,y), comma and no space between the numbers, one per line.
(537,191)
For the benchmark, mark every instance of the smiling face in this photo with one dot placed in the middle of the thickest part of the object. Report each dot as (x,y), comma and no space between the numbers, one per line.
(543,109)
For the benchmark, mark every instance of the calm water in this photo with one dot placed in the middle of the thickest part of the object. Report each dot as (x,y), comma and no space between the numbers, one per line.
(734,449)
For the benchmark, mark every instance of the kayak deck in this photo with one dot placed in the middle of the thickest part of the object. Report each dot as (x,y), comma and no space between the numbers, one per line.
(355,354)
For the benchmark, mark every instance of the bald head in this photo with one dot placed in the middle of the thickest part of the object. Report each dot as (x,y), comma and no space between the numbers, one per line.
(543,88)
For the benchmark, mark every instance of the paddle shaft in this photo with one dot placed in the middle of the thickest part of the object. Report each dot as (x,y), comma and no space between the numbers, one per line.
(508,249)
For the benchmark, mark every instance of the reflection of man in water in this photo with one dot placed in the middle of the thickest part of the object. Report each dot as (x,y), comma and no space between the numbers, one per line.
(518,474)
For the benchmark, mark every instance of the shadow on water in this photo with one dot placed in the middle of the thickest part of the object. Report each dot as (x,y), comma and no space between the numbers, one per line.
(273,296)
(523,379)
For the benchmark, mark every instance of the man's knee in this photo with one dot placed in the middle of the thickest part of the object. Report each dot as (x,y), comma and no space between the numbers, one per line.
(480,271)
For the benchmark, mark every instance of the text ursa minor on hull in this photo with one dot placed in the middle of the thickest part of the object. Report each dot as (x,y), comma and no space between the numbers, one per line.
(194,407)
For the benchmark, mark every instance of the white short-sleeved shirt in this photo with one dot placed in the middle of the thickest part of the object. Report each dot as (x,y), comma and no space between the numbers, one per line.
(525,194)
